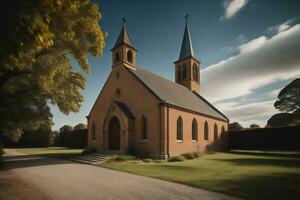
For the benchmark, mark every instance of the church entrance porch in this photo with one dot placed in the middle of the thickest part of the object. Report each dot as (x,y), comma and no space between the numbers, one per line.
(114,134)
(118,128)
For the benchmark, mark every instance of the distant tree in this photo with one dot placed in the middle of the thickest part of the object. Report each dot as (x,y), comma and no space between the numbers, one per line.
(289,98)
(37,40)
(65,129)
(235,126)
(284,119)
(40,137)
(289,103)
(80,126)
(63,132)
(55,138)
(254,126)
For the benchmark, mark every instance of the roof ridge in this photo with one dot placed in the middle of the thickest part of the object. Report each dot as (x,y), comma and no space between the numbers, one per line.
(175,94)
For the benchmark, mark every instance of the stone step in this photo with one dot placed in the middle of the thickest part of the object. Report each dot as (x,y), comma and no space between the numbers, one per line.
(86,162)
(93,159)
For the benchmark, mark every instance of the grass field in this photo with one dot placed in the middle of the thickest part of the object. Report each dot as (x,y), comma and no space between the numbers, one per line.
(57,152)
(251,175)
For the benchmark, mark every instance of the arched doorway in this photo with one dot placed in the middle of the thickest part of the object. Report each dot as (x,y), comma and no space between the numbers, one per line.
(114,134)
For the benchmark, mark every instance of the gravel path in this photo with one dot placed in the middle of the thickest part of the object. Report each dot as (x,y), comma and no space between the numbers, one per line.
(61,179)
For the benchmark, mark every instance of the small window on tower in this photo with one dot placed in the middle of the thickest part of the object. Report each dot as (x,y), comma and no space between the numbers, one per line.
(184,77)
(195,72)
(179,73)
(117,58)
(129,56)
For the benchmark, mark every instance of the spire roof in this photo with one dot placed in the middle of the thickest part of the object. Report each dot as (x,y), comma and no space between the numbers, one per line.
(186,46)
(123,36)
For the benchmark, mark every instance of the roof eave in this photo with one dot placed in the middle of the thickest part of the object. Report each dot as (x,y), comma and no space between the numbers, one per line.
(193,57)
(123,44)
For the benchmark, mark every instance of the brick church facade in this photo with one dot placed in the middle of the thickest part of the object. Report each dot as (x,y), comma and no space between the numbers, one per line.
(140,110)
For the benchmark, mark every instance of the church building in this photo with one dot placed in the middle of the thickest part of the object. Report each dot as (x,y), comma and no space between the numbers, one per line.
(142,111)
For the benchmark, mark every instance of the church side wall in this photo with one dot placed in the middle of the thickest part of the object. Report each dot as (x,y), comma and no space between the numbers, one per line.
(177,147)
(140,102)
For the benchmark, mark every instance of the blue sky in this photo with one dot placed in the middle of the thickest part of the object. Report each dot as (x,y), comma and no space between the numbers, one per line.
(249,50)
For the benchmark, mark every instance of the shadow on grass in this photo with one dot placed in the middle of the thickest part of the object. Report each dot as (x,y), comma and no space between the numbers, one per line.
(274,186)
(288,163)
(262,153)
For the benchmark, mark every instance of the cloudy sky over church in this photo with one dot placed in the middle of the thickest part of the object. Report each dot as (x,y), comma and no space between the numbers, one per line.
(249,50)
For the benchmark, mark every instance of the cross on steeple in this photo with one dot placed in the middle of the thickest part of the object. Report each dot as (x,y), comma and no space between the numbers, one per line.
(124,20)
(186,17)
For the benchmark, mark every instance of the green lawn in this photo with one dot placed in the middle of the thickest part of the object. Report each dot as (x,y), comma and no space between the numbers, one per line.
(251,175)
(57,152)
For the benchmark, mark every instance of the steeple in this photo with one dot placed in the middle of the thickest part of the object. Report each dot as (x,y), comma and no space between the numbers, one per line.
(124,54)
(187,68)
(186,46)
(123,36)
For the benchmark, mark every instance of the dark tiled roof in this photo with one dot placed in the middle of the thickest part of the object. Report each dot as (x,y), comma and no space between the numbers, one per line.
(186,46)
(124,109)
(123,38)
(175,94)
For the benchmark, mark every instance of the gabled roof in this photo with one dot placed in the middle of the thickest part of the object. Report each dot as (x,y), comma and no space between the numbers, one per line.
(175,94)
(123,38)
(186,46)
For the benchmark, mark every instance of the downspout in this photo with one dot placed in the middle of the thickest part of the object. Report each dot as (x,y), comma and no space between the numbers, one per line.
(168,154)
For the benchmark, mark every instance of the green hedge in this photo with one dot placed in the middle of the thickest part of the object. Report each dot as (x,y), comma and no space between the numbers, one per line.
(76,138)
(281,138)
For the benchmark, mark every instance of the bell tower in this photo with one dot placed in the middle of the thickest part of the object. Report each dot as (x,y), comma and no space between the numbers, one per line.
(123,53)
(187,67)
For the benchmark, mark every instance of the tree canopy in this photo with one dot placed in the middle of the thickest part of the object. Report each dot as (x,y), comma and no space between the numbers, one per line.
(37,40)
(289,98)
(254,126)
(235,126)
(284,119)
(80,126)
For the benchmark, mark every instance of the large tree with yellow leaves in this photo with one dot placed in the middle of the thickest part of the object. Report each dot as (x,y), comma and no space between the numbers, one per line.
(37,39)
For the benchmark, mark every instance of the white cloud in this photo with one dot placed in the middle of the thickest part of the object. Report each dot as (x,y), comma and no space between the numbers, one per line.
(251,110)
(252,45)
(238,86)
(232,7)
(246,114)
(259,62)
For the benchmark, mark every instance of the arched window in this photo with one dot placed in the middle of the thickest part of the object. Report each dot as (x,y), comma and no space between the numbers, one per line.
(195,72)
(223,130)
(206,130)
(179,135)
(222,133)
(93,132)
(144,128)
(129,56)
(215,132)
(194,130)
(184,73)
(117,58)
(179,73)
